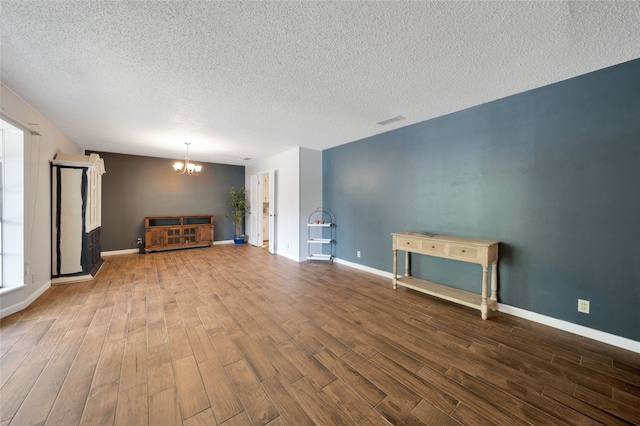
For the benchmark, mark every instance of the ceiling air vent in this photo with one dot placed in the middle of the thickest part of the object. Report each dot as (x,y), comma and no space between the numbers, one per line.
(390,120)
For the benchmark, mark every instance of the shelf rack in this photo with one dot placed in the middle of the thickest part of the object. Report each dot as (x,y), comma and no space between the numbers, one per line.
(321,236)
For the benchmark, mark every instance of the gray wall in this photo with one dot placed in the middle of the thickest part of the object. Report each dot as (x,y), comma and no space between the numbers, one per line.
(553,173)
(135,187)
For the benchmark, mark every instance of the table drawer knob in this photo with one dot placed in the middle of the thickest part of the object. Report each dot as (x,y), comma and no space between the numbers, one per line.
(464,251)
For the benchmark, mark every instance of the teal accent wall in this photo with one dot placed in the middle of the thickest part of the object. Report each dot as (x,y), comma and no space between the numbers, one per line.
(552,173)
(136,186)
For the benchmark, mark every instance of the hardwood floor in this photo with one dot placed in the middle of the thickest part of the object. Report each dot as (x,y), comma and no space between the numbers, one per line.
(232,335)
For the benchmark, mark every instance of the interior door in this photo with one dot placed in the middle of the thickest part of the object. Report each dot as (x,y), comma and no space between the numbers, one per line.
(272,212)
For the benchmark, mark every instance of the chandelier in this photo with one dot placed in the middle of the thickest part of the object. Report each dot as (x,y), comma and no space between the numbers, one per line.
(186,166)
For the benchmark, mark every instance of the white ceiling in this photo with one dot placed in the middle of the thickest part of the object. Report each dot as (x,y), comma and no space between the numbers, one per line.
(252,79)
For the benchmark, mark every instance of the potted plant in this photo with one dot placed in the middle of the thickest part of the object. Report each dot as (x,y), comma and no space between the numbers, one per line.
(238,202)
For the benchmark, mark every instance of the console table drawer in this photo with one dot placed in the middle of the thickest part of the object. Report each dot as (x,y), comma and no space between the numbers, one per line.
(409,244)
(434,248)
(463,252)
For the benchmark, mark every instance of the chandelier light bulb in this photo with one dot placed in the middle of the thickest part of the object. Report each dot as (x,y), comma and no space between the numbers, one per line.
(187,167)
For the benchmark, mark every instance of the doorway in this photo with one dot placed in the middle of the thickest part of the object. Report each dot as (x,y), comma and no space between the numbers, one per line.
(263,210)
(264,206)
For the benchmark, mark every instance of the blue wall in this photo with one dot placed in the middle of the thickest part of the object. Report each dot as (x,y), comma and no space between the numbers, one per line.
(553,173)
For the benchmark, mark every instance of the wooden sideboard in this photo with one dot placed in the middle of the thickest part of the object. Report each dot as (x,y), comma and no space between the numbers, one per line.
(170,232)
(482,252)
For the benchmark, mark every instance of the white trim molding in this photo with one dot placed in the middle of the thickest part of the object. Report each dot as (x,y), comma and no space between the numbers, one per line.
(21,303)
(72,280)
(600,336)
(379,272)
(136,251)
(117,252)
(581,330)
(290,257)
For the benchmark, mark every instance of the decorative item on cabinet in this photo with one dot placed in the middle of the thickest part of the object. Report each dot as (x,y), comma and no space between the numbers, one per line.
(173,232)
(321,230)
(76,197)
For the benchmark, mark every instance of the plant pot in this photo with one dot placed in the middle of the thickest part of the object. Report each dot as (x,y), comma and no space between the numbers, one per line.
(238,239)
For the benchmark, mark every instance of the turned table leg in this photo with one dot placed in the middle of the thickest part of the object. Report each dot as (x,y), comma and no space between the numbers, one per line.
(494,281)
(407,264)
(395,269)
(483,305)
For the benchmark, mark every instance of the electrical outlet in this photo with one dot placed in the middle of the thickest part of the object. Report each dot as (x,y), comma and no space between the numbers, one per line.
(358,253)
(583,306)
(139,241)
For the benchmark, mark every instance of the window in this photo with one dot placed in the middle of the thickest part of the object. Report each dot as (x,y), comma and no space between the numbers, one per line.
(11,206)
(1,199)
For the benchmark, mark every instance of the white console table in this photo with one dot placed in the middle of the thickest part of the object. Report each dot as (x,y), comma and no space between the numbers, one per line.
(482,252)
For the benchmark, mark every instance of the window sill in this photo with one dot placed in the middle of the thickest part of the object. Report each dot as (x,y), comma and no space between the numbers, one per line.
(8,290)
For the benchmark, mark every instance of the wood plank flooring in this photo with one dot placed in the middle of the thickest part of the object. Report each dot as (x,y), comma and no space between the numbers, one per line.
(232,335)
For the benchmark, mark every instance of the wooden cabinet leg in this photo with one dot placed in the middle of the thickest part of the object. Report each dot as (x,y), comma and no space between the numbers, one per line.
(407,264)
(483,305)
(494,281)
(395,269)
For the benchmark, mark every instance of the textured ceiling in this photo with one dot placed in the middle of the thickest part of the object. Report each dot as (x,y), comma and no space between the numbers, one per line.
(252,79)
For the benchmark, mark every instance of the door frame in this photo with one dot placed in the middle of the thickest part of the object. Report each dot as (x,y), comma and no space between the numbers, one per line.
(256,238)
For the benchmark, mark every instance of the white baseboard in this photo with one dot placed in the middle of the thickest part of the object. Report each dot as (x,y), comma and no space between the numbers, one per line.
(136,251)
(581,330)
(72,280)
(21,303)
(364,268)
(290,257)
(117,252)
(590,333)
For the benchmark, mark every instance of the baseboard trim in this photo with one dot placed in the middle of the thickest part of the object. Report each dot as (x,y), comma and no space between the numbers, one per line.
(288,256)
(364,268)
(18,306)
(136,251)
(590,333)
(581,330)
(72,280)
(117,252)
